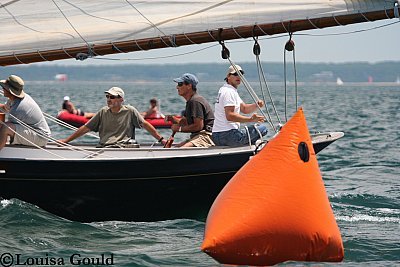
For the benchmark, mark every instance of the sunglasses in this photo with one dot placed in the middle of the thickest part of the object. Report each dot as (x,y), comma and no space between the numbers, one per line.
(180,84)
(237,74)
(112,96)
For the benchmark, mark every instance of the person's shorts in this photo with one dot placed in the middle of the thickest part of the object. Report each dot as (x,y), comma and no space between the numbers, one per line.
(26,137)
(203,139)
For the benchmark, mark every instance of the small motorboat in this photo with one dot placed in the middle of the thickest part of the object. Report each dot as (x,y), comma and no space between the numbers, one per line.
(72,119)
(78,121)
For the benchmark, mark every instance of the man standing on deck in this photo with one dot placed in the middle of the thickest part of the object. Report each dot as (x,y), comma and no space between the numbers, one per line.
(226,130)
(115,122)
(26,124)
(198,117)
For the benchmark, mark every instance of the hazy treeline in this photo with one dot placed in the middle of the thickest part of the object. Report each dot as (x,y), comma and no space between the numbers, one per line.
(306,72)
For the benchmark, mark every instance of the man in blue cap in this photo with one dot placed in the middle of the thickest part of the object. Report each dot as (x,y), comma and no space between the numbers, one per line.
(198,118)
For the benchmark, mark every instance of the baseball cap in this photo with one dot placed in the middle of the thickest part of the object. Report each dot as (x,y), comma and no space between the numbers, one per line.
(115,91)
(188,78)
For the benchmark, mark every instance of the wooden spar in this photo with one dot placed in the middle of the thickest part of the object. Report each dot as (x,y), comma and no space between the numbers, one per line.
(196,37)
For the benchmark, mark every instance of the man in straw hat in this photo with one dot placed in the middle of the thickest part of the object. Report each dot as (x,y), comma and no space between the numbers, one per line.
(115,122)
(26,124)
(229,105)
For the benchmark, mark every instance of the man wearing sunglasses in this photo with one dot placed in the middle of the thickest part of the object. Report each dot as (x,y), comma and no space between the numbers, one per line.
(198,117)
(115,122)
(226,130)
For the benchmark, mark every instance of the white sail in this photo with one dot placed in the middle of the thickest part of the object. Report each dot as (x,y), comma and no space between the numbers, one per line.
(47,25)
(339,81)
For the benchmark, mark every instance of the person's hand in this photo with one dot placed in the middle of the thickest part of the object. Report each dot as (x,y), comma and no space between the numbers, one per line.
(260,103)
(170,118)
(257,118)
(175,127)
(163,142)
(61,142)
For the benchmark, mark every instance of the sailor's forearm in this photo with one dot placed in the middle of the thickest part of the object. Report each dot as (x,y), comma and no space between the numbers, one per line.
(81,131)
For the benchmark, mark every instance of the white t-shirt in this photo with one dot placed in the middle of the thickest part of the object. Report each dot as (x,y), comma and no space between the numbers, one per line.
(227,97)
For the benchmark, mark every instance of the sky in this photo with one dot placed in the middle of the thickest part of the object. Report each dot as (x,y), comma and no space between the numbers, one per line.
(369,42)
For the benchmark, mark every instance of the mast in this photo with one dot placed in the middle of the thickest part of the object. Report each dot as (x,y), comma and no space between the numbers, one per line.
(222,34)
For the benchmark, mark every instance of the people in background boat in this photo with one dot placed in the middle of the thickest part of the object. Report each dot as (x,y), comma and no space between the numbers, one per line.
(226,130)
(115,122)
(198,118)
(26,124)
(67,105)
(153,112)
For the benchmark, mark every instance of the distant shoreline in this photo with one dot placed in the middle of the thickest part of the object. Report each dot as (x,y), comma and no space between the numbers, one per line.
(387,73)
(291,84)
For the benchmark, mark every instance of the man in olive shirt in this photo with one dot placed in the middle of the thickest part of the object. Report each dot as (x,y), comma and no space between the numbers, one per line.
(115,122)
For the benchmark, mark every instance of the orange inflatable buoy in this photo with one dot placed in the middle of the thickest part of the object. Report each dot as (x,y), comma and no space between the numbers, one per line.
(275,208)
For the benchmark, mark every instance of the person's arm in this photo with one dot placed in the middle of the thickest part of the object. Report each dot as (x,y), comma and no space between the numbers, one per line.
(78,133)
(248,108)
(173,119)
(150,128)
(150,112)
(197,126)
(6,106)
(231,115)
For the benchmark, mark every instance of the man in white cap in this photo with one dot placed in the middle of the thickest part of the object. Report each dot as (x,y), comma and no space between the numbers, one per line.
(26,124)
(115,122)
(226,129)
(198,117)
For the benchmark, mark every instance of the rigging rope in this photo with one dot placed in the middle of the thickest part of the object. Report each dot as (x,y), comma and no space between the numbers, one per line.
(29,141)
(290,46)
(261,73)
(66,125)
(79,56)
(241,41)
(70,147)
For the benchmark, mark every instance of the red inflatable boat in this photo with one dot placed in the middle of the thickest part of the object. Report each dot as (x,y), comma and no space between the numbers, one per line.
(77,121)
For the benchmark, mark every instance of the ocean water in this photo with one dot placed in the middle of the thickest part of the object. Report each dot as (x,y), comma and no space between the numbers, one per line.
(361,173)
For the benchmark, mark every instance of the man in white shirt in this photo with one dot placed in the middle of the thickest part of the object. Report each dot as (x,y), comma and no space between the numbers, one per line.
(226,129)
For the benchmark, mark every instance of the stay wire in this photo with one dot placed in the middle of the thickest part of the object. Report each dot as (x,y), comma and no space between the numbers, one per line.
(295,78)
(39,133)
(259,70)
(137,10)
(66,125)
(269,93)
(284,81)
(290,46)
(29,141)
(90,49)
(261,73)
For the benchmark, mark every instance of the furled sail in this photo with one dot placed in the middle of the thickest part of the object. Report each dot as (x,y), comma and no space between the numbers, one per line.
(45,30)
